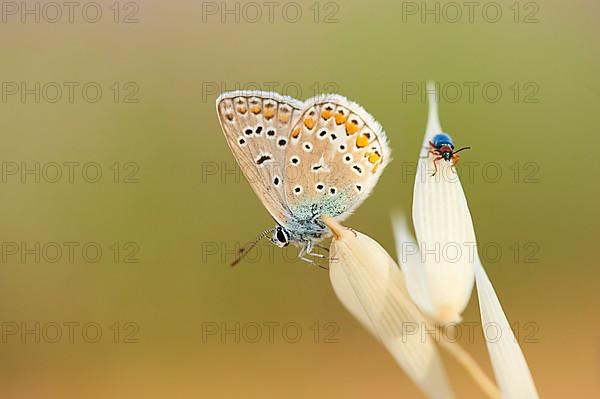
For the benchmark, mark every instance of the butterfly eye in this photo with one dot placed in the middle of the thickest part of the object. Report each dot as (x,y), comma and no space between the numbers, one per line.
(308,147)
(295,160)
(281,236)
(320,186)
(332,190)
(297,190)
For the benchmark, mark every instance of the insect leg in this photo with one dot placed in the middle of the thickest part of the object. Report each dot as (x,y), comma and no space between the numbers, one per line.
(306,251)
(322,247)
(435,161)
(302,252)
(455,159)
(431,152)
(316,255)
(309,250)
(312,262)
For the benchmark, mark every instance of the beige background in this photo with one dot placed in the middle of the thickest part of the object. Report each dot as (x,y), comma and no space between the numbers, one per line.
(178,211)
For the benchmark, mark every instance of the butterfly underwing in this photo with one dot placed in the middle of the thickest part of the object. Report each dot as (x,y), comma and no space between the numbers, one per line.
(305,159)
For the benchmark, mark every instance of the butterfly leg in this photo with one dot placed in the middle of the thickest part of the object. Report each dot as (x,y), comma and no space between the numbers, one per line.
(316,255)
(322,247)
(306,251)
(330,251)
(312,262)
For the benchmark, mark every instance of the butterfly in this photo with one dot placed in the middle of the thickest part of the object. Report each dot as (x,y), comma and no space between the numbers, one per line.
(304,160)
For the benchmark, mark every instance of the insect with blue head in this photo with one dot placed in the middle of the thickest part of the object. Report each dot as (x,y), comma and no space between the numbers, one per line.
(442,147)
(304,160)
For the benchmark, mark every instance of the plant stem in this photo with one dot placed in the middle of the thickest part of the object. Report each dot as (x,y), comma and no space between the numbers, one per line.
(472,368)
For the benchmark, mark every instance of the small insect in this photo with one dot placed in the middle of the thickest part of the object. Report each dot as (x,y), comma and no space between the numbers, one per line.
(304,160)
(442,147)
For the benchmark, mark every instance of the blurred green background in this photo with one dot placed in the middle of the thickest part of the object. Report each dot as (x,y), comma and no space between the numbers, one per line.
(169,209)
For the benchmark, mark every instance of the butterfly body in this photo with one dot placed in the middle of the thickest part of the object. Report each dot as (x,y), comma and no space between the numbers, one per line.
(304,160)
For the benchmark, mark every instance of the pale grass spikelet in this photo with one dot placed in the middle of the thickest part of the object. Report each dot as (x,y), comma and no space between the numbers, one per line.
(442,288)
(372,288)
(509,364)
(370,285)
(442,222)
(424,291)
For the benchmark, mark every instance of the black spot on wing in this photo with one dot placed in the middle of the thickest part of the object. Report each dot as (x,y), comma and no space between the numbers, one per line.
(262,159)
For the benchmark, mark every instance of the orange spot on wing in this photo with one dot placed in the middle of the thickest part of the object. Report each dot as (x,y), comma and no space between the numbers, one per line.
(242,110)
(309,123)
(296,132)
(362,141)
(340,118)
(255,109)
(269,112)
(351,128)
(375,168)
(326,114)
(374,157)
(284,117)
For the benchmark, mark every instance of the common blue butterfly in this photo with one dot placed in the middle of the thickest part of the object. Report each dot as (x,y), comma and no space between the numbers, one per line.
(304,160)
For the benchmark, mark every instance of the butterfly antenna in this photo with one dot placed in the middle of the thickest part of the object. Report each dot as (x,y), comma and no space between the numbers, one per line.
(248,247)
(464,148)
